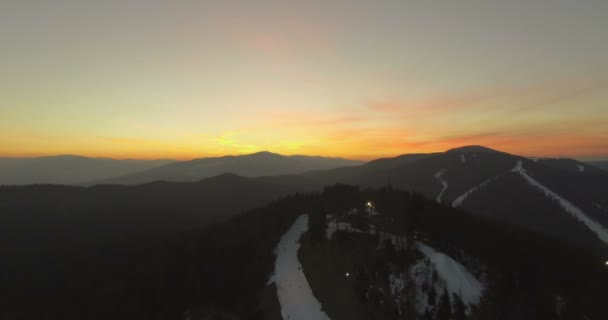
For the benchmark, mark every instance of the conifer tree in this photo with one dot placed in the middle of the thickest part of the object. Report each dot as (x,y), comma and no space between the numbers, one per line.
(444,311)
(459,308)
(432,297)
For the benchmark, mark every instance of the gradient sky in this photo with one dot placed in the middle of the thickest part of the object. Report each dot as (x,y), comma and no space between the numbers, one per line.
(358,79)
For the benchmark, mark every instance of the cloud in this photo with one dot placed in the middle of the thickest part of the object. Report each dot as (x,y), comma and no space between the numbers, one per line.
(534,96)
(443,102)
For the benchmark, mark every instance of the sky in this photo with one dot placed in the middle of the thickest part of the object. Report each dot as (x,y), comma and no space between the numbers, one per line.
(356,79)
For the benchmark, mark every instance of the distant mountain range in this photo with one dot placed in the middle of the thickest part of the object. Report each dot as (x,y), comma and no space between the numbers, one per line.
(251,165)
(78,170)
(68,169)
(560,197)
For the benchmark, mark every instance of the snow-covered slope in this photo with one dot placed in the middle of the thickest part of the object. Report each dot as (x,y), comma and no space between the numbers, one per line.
(452,277)
(458,280)
(464,196)
(443,183)
(295,296)
(594,226)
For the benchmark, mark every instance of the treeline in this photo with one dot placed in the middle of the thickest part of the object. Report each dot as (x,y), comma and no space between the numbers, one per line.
(222,267)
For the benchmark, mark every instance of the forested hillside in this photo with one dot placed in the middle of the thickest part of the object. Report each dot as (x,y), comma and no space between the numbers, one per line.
(222,269)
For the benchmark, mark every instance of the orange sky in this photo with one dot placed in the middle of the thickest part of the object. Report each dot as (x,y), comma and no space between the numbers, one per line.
(352,79)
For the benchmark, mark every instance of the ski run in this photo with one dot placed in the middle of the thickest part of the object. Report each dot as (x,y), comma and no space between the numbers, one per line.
(295,296)
(594,226)
(464,196)
(443,183)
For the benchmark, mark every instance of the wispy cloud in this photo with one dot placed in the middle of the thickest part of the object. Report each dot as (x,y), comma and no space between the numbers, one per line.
(524,97)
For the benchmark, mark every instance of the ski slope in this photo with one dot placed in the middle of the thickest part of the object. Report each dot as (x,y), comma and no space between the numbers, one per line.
(600,231)
(295,296)
(457,278)
(443,183)
(465,195)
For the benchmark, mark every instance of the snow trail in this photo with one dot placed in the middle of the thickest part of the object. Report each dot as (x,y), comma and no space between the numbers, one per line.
(465,195)
(458,279)
(443,183)
(600,231)
(295,296)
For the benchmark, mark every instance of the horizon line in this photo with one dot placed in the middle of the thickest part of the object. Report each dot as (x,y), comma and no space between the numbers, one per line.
(355,158)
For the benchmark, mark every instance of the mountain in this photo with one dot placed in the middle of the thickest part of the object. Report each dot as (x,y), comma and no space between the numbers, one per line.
(559,197)
(551,196)
(252,165)
(563,198)
(68,169)
(603,164)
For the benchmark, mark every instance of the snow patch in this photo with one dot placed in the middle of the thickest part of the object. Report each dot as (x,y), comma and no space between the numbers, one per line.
(333,226)
(443,183)
(295,296)
(600,231)
(458,280)
(580,168)
(465,195)
(560,304)
(418,277)
(462,158)
(396,283)
(398,241)
(421,274)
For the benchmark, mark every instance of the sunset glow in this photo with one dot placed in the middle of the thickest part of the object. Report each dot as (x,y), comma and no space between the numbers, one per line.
(141,79)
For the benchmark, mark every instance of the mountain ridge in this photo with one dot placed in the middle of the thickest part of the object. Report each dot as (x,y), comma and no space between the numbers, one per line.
(68,169)
(481,182)
(262,163)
